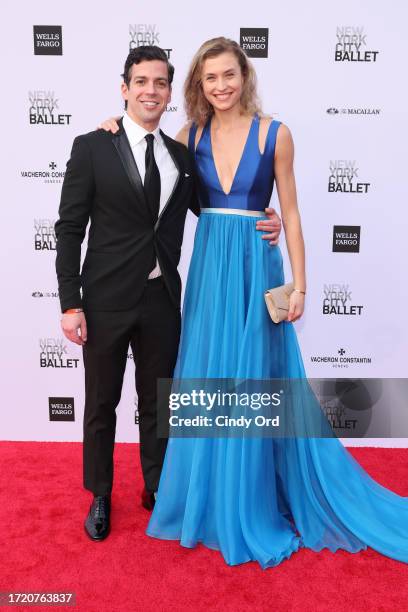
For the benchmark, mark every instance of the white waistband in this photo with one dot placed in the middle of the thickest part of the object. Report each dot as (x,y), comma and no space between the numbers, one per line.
(234,211)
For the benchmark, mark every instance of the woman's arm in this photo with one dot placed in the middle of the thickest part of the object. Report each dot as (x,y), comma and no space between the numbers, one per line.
(286,186)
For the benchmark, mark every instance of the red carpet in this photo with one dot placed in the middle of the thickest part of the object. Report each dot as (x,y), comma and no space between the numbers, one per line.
(44,548)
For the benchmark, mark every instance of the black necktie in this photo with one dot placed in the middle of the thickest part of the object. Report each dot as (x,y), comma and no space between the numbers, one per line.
(152,178)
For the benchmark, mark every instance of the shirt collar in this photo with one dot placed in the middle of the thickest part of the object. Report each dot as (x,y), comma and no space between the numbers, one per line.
(136,132)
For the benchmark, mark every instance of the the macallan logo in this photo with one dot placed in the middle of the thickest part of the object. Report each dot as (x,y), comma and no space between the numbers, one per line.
(45,294)
(356,111)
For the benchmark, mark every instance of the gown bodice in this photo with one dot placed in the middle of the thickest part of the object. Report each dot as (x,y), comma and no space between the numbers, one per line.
(253,181)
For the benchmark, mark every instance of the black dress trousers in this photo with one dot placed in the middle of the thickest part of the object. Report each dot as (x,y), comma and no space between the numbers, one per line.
(152,329)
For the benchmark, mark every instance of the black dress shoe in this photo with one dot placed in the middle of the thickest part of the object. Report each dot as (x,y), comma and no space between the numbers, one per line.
(148,500)
(97,523)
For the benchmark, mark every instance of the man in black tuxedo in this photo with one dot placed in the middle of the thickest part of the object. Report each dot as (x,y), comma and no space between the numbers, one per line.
(135,187)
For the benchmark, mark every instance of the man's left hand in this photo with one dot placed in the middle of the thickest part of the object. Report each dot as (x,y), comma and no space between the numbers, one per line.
(271,225)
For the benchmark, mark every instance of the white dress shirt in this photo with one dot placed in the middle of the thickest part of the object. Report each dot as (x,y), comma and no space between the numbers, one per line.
(167,169)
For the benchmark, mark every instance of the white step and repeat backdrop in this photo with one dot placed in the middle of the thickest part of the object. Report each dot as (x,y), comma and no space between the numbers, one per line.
(332,72)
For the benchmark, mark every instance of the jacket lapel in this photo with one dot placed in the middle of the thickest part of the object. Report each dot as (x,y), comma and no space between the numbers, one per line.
(121,142)
(174,154)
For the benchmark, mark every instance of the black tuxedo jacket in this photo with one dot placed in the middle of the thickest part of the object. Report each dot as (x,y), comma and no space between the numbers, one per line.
(102,184)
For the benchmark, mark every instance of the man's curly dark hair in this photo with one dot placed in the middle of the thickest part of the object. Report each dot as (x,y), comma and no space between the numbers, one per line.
(146,53)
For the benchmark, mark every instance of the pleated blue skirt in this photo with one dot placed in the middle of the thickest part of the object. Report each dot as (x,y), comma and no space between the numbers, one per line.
(253,498)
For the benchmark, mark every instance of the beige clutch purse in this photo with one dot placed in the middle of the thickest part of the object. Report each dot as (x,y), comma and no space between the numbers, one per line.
(277,302)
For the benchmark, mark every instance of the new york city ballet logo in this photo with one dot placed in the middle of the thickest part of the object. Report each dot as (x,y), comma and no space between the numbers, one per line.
(338,301)
(44,109)
(47,40)
(61,408)
(44,235)
(346,238)
(54,354)
(142,34)
(351,45)
(50,174)
(344,177)
(348,404)
(341,359)
(254,41)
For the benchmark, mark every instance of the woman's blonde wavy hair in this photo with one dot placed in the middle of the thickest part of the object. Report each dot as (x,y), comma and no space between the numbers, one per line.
(198,109)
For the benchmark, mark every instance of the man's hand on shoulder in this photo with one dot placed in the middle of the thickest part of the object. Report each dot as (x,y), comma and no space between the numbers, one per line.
(109,125)
(272,226)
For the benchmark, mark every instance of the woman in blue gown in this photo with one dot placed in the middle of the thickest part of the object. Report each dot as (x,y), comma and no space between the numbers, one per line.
(254,498)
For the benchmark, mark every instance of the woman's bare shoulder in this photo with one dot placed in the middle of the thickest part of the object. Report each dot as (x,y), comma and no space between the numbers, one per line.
(284,135)
(284,144)
(284,141)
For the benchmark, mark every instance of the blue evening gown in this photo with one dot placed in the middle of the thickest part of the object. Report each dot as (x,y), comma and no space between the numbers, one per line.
(257,498)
